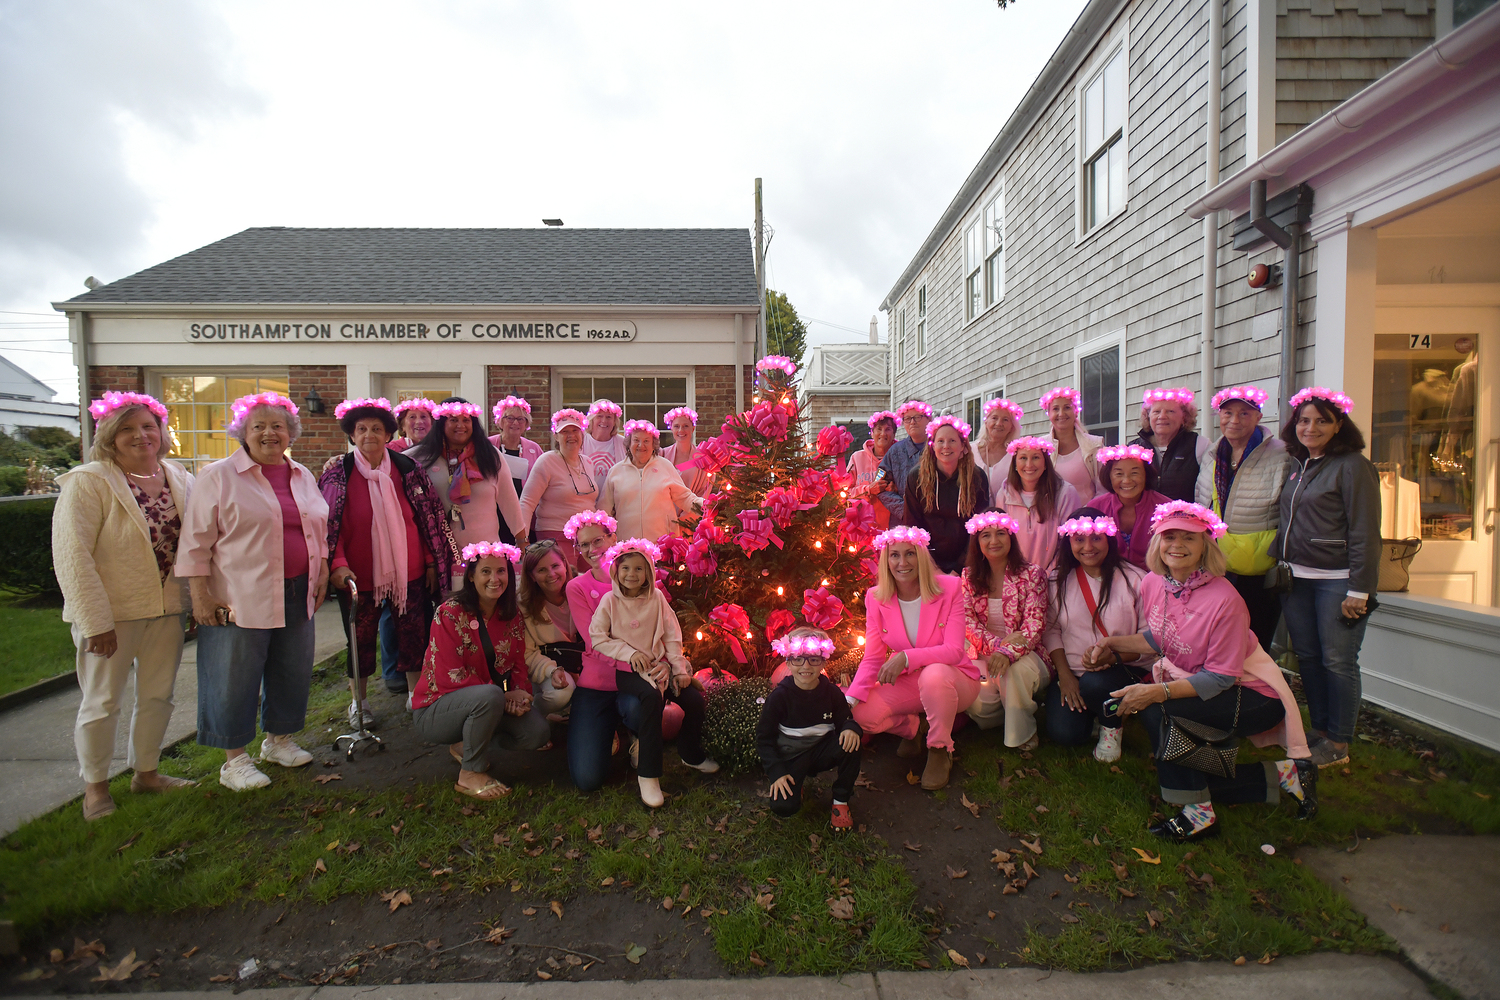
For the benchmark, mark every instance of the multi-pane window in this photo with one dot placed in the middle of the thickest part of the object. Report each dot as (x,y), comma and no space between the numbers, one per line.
(1099,379)
(994,250)
(901,340)
(921,321)
(973,260)
(198,412)
(974,406)
(1104,143)
(640,398)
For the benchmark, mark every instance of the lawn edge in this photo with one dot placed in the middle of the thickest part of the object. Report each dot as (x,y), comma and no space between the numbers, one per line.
(34,692)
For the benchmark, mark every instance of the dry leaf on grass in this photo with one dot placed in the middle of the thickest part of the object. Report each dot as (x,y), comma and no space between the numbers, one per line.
(1042,809)
(319,866)
(1146,856)
(910,846)
(1127,893)
(530,911)
(999,857)
(666,903)
(1266,959)
(973,807)
(1154,917)
(841,908)
(1240,960)
(82,950)
(498,934)
(129,843)
(654,834)
(396,897)
(1034,846)
(912,779)
(332,846)
(55,956)
(955,873)
(607,880)
(1071,878)
(766,901)
(1030,871)
(634,953)
(324,779)
(957,958)
(757,961)
(1068,918)
(119,973)
(1121,872)
(396,827)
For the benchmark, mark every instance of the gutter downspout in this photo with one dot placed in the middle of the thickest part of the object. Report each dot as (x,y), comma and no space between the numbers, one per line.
(77,324)
(1210,181)
(1290,240)
(739,363)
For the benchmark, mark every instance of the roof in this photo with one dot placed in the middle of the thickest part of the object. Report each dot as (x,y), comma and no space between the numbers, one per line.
(278,264)
(18,383)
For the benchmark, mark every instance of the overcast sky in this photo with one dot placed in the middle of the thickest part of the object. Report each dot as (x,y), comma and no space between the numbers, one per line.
(135,132)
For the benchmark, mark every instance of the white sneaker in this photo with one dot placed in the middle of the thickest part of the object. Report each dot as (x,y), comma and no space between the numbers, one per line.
(1108,749)
(707,765)
(240,774)
(353,715)
(284,750)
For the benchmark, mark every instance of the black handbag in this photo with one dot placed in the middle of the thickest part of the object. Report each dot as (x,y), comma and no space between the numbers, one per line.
(568,655)
(1202,748)
(1279,578)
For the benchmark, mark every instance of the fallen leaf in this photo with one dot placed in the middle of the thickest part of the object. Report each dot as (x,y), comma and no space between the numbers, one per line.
(375,813)
(81,950)
(1121,872)
(319,866)
(220,979)
(999,857)
(1096,840)
(633,954)
(666,903)
(991,914)
(324,779)
(1009,890)
(1068,918)
(765,901)
(573,960)
(960,873)
(608,880)
(557,908)
(552,962)
(396,827)
(980,955)
(1154,917)
(1115,770)
(1030,871)
(351,848)
(530,911)
(757,961)
(973,807)
(119,973)
(1398,908)
(682,895)
(922,963)
(129,843)
(332,846)
(55,956)
(1240,960)
(910,846)
(1146,857)
(1265,959)
(543,974)
(1483,795)
(841,908)
(396,897)
(1071,878)
(1042,809)
(957,959)
(654,834)
(912,779)
(498,935)
(1034,846)
(1127,893)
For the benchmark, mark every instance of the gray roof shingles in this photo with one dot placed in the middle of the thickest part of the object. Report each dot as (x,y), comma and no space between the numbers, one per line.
(275,264)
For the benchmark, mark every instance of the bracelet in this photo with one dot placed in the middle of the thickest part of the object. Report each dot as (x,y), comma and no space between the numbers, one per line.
(1166,693)
(1118,659)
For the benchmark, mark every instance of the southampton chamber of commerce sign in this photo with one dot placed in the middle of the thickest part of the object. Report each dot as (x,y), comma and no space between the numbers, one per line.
(449,331)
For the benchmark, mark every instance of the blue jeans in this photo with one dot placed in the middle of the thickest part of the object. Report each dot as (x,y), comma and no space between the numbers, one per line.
(1327,654)
(388,671)
(593,720)
(1071,729)
(240,669)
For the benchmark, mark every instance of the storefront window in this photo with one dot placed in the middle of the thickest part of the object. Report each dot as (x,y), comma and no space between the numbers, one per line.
(641,398)
(198,412)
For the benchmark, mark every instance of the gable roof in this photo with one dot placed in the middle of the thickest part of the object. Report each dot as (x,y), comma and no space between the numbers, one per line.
(19,383)
(277,264)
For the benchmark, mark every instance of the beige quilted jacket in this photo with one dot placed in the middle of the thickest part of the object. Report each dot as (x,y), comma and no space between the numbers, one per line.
(1256,492)
(101,549)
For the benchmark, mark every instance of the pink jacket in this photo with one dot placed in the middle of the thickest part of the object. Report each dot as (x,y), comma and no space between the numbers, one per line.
(530,450)
(940,636)
(1023,608)
(231,533)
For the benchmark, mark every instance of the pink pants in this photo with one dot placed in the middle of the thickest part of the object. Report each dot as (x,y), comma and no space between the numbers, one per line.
(938,691)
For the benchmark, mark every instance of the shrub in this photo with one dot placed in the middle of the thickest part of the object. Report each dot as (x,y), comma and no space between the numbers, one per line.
(26,546)
(731,713)
(12,480)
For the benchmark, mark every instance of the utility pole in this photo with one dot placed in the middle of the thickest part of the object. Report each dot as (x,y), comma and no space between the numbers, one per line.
(760,275)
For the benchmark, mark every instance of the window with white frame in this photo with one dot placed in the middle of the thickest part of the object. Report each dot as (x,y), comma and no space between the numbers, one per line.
(1100,375)
(1103,143)
(198,409)
(973,260)
(921,320)
(974,401)
(994,250)
(901,339)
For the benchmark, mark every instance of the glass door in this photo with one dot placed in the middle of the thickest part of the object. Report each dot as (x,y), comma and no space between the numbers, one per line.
(434,387)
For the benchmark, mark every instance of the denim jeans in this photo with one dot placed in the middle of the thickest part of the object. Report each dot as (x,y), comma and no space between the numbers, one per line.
(242,668)
(1071,729)
(1251,782)
(592,723)
(389,671)
(1327,654)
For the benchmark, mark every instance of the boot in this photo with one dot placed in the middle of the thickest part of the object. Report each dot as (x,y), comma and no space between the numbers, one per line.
(913,747)
(939,766)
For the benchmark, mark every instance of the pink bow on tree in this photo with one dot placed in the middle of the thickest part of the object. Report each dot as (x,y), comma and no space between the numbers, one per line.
(673,548)
(821,608)
(710,532)
(731,618)
(757,533)
(872,568)
(782,505)
(712,455)
(779,623)
(812,486)
(770,420)
(700,559)
(834,440)
(840,479)
(858,527)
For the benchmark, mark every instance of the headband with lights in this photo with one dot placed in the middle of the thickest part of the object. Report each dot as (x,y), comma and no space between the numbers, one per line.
(992,519)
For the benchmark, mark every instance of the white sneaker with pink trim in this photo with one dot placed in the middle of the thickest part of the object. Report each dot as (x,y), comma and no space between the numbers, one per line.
(1108,750)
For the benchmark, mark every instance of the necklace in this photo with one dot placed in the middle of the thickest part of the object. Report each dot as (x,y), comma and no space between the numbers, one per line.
(151,476)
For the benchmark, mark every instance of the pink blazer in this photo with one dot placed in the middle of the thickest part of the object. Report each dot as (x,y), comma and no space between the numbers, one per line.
(940,636)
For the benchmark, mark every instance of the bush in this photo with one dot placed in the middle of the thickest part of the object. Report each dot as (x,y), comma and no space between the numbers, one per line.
(12,480)
(26,546)
(731,713)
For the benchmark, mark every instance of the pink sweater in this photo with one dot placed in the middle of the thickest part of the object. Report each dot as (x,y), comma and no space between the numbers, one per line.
(554,495)
(1206,627)
(1038,538)
(940,636)
(1070,627)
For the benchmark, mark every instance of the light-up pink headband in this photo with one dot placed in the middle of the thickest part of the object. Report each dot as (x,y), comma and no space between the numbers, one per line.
(577,521)
(995,404)
(681,411)
(380,403)
(631,426)
(479,550)
(1183,396)
(1188,516)
(1031,444)
(511,402)
(803,645)
(567,416)
(245,404)
(605,406)
(1338,399)
(903,533)
(776,362)
(1058,393)
(992,519)
(876,418)
(913,406)
(112,401)
(1115,452)
(646,548)
(1089,526)
(1256,397)
(420,403)
(458,410)
(948,420)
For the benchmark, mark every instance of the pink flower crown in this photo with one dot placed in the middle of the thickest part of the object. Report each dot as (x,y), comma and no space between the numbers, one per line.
(498,410)
(577,521)
(948,420)
(1040,444)
(913,405)
(599,406)
(112,401)
(992,519)
(646,548)
(680,411)
(1183,396)
(458,410)
(1115,452)
(1256,397)
(876,418)
(994,404)
(380,403)
(245,404)
(631,426)
(1183,510)
(776,362)
(567,413)
(1089,526)
(1344,403)
(420,403)
(478,550)
(903,533)
(1058,393)
(802,645)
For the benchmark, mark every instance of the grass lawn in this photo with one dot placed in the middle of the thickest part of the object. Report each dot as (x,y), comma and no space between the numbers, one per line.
(35,642)
(780,897)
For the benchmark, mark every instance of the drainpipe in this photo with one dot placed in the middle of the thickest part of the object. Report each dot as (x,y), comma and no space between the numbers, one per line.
(1210,181)
(1289,239)
(77,327)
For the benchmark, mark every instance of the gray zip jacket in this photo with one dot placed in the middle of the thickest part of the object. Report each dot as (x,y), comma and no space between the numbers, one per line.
(1330,518)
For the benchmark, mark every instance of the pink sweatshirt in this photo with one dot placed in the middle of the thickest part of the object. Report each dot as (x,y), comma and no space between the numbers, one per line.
(1038,538)
(1206,627)
(940,636)
(645,502)
(1070,627)
(624,625)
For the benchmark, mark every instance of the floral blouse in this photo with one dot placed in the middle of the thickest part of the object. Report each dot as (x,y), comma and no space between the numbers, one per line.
(1023,606)
(164,524)
(455,656)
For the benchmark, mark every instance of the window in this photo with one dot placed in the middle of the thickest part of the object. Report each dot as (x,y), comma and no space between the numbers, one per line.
(974,403)
(901,340)
(1103,143)
(973,258)
(640,398)
(994,250)
(1099,384)
(921,321)
(198,412)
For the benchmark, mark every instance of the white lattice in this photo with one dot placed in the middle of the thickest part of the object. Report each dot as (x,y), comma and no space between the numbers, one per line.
(854,368)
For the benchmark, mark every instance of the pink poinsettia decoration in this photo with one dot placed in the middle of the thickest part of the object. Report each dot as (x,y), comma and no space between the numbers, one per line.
(781,504)
(821,608)
(779,623)
(858,526)
(700,559)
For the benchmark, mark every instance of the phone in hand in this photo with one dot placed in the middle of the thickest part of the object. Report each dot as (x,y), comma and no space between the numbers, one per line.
(1111,708)
(1370,605)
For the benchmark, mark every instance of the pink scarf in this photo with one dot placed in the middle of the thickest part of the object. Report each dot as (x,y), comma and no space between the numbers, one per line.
(388,531)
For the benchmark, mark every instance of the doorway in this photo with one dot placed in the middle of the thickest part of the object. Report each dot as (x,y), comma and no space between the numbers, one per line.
(406,386)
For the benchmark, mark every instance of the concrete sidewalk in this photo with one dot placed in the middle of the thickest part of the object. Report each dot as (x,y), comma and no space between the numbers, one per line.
(38,765)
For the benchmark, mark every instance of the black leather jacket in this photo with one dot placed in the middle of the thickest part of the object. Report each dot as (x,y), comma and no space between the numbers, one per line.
(1330,518)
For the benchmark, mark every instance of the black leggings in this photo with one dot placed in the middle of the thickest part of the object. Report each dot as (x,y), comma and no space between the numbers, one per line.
(648,731)
(826,755)
(1251,782)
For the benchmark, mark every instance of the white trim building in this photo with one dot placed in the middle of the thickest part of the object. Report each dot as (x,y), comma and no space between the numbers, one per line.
(26,401)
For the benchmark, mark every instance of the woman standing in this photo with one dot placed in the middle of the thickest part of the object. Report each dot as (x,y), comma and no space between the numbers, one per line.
(1005,612)
(471,480)
(472,693)
(560,485)
(1209,672)
(644,493)
(1129,497)
(1038,498)
(914,663)
(904,455)
(554,650)
(1169,418)
(865,463)
(683,423)
(413,421)
(1076,447)
(513,416)
(1001,425)
(114,540)
(387,533)
(1330,539)
(1098,595)
(254,550)
(603,446)
(1241,483)
(945,490)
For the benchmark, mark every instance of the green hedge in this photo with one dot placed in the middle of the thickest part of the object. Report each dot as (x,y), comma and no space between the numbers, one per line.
(26,546)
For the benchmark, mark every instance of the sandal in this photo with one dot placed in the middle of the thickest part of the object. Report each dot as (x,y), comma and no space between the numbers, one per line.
(168,784)
(99,809)
(489,793)
(455,750)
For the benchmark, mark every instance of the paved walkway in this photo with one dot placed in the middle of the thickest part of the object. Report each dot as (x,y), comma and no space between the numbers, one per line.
(38,765)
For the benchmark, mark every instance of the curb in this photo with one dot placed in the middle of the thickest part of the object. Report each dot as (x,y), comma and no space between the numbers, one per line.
(29,694)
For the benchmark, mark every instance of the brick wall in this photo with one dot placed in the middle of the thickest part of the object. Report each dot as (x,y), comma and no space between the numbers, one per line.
(713,395)
(532,383)
(321,437)
(115,378)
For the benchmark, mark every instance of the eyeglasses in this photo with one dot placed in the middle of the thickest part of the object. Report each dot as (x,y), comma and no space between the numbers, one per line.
(803,661)
(574,483)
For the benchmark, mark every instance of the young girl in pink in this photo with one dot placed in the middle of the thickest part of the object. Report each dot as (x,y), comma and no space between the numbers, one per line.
(636,626)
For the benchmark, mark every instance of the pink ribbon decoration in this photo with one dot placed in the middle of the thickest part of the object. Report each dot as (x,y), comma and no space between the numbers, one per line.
(731,618)
(779,623)
(673,548)
(770,420)
(821,608)
(712,455)
(834,440)
(812,486)
(872,568)
(782,505)
(757,533)
(840,479)
(858,526)
(709,532)
(700,559)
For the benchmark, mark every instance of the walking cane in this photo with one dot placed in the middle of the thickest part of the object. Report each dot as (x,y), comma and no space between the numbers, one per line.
(362,735)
